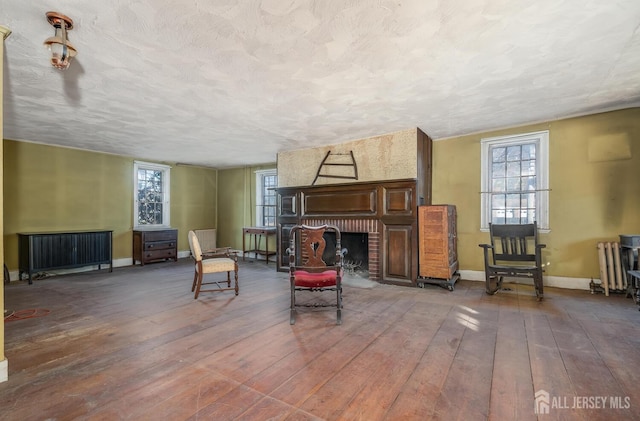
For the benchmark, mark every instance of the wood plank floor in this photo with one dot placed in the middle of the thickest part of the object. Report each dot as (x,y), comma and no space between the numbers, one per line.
(135,345)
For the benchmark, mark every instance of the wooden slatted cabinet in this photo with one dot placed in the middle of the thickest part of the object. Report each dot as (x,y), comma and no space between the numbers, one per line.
(42,251)
(437,246)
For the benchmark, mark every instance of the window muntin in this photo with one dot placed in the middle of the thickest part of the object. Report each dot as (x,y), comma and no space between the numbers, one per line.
(515,180)
(151,194)
(266,183)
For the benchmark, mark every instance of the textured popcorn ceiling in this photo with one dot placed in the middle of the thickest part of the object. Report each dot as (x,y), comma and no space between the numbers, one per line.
(228,83)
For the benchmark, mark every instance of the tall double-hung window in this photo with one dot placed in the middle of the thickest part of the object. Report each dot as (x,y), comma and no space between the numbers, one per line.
(515,180)
(266,183)
(151,194)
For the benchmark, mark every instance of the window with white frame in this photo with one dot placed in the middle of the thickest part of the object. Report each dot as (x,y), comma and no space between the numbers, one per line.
(151,194)
(266,183)
(515,180)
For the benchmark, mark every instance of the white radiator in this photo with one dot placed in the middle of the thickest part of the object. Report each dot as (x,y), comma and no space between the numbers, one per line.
(612,275)
(206,238)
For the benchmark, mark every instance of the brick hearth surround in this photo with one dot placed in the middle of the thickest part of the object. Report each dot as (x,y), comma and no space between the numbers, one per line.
(369,226)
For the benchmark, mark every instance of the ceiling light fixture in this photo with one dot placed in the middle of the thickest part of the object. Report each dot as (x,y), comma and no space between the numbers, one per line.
(61,49)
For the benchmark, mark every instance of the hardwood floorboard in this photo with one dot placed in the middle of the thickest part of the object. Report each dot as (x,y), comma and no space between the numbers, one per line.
(392,359)
(420,393)
(471,370)
(333,359)
(585,367)
(618,346)
(243,403)
(322,339)
(135,345)
(511,385)
(547,366)
(367,366)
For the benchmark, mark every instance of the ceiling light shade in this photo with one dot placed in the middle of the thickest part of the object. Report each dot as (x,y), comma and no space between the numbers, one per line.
(61,49)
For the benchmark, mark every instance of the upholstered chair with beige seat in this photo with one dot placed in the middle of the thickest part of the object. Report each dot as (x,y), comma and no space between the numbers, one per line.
(207,239)
(211,262)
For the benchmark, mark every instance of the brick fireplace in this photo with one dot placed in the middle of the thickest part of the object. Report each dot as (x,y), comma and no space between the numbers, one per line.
(391,177)
(385,211)
(371,227)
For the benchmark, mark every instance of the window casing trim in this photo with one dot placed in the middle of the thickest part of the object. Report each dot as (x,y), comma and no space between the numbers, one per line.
(541,139)
(260,174)
(166,202)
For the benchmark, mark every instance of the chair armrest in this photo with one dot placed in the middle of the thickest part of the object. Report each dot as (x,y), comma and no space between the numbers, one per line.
(218,252)
(485,249)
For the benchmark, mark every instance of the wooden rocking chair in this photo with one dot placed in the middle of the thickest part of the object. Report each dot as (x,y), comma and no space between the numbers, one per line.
(514,252)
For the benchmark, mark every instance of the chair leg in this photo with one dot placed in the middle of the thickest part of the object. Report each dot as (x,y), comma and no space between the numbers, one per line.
(539,287)
(237,289)
(228,279)
(292,315)
(489,288)
(198,286)
(195,280)
(339,304)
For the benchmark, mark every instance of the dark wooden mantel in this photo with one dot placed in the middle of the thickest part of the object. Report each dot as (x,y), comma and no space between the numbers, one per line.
(388,209)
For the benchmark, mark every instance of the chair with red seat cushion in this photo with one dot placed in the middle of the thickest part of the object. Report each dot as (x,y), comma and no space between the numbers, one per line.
(308,270)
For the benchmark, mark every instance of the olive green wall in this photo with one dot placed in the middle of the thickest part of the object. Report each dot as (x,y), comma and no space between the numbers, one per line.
(595,189)
(54,189)
(237,204)
(57,189)
(194,199)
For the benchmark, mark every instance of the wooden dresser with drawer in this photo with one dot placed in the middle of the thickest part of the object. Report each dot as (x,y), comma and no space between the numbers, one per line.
(155,244)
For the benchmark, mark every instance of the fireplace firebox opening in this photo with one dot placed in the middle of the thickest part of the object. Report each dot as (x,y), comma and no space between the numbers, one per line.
(356,256)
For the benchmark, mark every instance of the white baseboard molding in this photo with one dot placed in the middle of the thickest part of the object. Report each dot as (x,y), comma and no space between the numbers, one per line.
(549,281)
(13,275)
(469,275)
(4,370)
(118,263)
(127,261)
